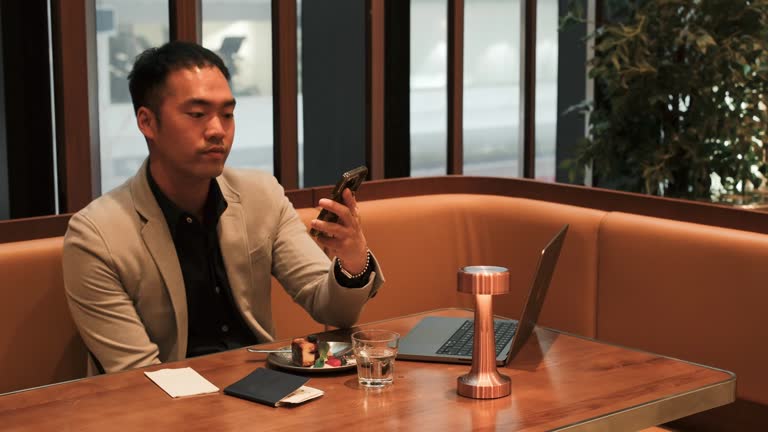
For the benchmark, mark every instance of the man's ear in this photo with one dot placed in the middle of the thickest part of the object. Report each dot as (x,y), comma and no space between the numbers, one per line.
(147,122)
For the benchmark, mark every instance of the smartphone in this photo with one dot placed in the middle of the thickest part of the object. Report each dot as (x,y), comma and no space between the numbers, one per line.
(349,180)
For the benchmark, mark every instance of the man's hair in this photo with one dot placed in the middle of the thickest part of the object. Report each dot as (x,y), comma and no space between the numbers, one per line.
(152,67)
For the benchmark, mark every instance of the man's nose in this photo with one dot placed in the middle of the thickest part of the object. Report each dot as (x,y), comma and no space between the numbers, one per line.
(215,130)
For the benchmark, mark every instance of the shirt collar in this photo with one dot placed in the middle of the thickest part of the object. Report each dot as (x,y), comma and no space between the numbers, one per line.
(215,205)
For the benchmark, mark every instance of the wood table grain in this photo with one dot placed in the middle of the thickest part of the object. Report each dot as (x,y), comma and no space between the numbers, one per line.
(559,382)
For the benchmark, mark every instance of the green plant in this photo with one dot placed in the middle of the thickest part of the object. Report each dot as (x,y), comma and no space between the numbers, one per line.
(680,96)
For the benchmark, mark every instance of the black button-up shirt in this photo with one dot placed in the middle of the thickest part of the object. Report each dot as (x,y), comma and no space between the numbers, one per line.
(214,324)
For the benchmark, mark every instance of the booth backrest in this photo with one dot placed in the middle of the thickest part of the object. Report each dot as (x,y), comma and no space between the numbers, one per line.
(421,242)
(689,291)
(39,343)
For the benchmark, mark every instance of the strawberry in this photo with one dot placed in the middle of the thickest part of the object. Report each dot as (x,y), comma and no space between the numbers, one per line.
(333,361)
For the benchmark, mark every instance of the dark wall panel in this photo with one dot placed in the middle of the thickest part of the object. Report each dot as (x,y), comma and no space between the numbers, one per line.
(397,102)
(5,209)
(27,92)
(333,49)
(571,80)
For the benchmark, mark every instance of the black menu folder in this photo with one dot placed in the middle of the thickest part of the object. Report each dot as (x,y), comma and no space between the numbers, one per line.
(266,386)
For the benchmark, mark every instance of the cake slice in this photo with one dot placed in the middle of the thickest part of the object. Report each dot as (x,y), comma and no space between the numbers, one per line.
(304,351)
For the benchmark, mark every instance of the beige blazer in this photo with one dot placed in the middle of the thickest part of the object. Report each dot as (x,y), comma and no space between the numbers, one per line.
(125,288)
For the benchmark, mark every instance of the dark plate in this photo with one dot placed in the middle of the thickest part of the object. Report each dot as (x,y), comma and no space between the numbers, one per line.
(283,360)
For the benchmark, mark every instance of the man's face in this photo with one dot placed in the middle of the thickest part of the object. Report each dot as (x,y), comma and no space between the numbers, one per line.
(192,133)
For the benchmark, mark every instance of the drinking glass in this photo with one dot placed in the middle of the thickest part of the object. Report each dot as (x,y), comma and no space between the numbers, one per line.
(375,352)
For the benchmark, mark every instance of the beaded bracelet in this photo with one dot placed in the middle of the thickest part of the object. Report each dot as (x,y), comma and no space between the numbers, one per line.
(359,275)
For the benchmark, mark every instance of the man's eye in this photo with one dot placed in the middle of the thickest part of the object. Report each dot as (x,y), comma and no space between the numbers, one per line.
(195,114)
(229,115)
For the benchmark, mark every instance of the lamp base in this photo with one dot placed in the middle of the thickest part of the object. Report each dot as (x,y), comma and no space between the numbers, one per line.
(490,385)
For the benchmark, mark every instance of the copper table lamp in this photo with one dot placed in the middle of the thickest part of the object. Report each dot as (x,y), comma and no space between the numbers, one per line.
(483,381)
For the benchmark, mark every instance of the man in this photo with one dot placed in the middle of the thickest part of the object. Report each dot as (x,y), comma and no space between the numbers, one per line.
(176,262)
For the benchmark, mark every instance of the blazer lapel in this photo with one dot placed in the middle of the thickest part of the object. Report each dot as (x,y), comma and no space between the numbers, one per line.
(158,240)
(234,249)
(233,239)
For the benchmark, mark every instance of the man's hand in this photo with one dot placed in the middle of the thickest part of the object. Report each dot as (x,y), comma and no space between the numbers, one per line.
(344,239)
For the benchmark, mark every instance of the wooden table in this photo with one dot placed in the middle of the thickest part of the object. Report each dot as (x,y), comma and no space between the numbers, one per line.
(559,381)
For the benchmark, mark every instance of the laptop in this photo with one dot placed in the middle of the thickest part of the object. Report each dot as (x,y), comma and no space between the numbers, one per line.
(449,340)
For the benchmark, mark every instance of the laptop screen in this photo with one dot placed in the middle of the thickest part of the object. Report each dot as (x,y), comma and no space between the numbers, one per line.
(538,292)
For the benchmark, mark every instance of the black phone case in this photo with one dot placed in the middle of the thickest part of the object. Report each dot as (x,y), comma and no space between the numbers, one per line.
(351,179)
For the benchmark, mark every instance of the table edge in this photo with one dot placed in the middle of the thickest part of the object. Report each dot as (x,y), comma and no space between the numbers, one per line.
(647,414)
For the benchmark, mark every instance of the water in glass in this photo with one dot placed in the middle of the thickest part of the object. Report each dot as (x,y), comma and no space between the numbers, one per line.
(375,366)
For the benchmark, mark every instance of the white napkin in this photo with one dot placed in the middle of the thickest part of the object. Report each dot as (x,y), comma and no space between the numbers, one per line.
(181,382)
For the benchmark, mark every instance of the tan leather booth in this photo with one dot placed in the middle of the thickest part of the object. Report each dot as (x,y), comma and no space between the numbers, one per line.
(690,291)
(39,343)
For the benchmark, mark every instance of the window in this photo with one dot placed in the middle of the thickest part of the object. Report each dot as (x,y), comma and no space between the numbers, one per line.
(429,56)
(491,88)
(240,31)
(547,34)
(492,66)
(124,28)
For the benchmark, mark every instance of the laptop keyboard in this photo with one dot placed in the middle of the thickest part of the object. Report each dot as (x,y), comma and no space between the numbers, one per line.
(460,343)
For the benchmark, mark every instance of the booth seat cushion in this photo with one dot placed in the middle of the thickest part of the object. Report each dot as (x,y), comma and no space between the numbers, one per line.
(39,343)
(688,291)
(422,241)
